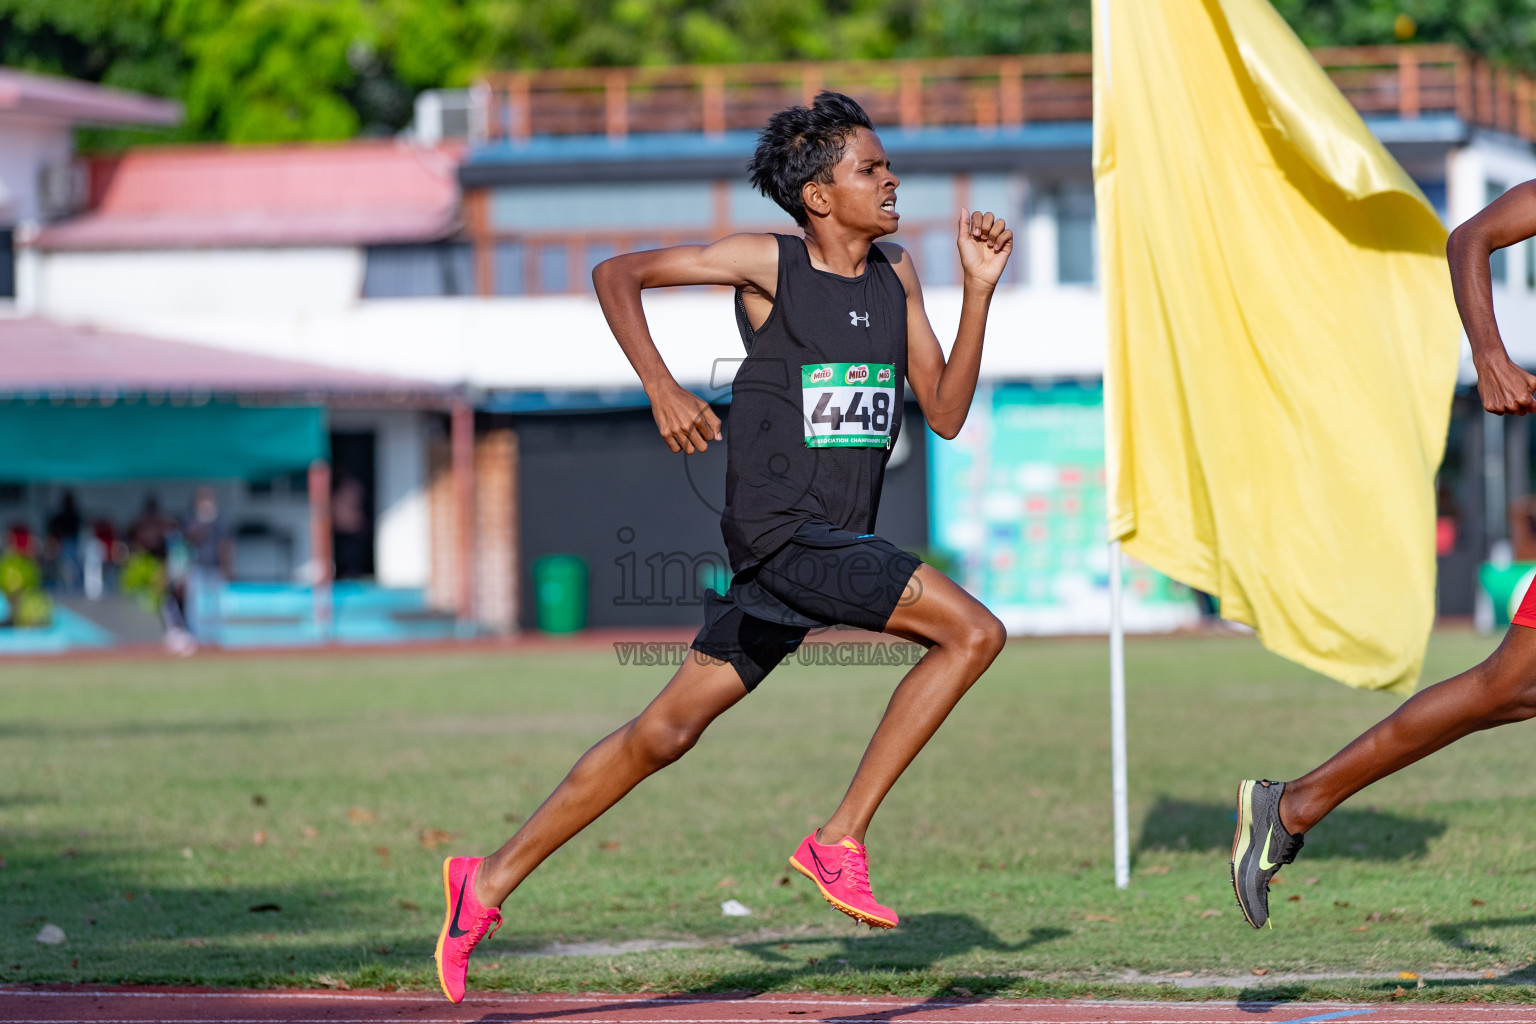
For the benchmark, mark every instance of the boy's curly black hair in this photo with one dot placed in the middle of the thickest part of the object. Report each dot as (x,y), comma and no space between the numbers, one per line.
(803,144)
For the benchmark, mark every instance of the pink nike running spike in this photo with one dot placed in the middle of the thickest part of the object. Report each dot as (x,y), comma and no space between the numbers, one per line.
(841,872)
(465,924)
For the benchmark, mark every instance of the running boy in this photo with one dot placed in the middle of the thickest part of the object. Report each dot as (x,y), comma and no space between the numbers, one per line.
(835,330)
(1272,817)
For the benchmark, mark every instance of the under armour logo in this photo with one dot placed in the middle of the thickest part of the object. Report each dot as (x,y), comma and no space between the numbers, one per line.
(855,319)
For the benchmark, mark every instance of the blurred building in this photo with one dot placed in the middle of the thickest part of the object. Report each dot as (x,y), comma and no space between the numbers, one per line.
(124,427)
(39,179)
(218,238)
(461,258)
(568,167)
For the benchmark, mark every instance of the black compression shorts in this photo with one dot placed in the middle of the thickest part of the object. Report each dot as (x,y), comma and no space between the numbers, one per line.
(821,577)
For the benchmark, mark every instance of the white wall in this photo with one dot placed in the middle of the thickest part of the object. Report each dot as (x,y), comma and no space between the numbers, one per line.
(1039,243)
(1494,158)
(26,146)
(214,285)
(534,342)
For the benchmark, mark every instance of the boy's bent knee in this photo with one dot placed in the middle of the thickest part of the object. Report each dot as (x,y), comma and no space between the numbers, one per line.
(985,636)
(663,742)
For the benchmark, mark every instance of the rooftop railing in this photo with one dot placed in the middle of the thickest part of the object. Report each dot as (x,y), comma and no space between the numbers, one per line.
(985,93)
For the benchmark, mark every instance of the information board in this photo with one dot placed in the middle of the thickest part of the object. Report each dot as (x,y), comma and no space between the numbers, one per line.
(1018,502)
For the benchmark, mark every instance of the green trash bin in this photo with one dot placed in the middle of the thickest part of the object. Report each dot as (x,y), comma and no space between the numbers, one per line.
(560,594)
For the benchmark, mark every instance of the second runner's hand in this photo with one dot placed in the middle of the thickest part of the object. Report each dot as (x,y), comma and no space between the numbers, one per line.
(1505,388)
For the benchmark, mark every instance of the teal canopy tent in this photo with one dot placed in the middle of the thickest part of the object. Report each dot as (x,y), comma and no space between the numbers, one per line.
(41,440)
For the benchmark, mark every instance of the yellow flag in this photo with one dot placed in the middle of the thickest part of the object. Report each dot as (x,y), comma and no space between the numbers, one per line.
(1282,338)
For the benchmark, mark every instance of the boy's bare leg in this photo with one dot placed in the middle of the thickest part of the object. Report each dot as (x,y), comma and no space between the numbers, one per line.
(962,638)
(1500,690)
(667,728)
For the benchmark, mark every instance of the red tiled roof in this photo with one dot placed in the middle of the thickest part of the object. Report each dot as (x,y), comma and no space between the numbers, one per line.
(65,99)
(354,193)
(48,359)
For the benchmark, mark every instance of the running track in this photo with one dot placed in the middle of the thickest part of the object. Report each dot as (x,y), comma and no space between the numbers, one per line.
(179,1006)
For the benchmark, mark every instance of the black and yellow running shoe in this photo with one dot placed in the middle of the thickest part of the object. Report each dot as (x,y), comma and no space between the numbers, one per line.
(1260,847)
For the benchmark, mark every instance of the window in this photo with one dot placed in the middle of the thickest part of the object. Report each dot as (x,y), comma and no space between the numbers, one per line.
(600,207)
(417,271)
(7,263)
(511,268)
(1434,191)
(995,193)
(749,208)
(927,197)
(554,269)
(550,273)
(596,253)
(1001,194)
(938,262)
(1076,241)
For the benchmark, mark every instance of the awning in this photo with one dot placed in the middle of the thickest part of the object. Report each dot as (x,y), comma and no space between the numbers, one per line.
(66,99)
(46,359)
(44,440)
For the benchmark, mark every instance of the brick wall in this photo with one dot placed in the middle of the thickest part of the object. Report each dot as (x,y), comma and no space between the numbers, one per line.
(443,528)
(495,538)
(495,553)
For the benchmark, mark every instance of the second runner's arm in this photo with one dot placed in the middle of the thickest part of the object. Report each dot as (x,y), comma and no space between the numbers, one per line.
(1503,386)
(686,422)
(944,389)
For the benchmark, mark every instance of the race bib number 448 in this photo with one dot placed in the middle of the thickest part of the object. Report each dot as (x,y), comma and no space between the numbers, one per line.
(848,405)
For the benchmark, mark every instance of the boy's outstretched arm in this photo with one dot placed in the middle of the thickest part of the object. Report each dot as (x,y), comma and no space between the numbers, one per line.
(944,390)
(686,421)
(1503,385)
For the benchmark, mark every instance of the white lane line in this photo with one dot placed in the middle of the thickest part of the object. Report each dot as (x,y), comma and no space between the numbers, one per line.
(580,1000)
(674,1020)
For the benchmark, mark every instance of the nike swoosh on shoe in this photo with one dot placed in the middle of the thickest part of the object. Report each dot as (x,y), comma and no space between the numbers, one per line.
(454,931)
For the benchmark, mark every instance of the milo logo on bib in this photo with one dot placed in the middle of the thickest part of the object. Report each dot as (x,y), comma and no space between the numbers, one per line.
(848,405)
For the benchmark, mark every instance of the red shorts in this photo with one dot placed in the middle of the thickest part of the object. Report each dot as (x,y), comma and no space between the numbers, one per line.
(1526,614)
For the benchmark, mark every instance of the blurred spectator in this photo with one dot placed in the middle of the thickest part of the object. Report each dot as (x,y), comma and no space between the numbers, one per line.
(20,539)
(63,549)
(349,527)
(1522,528)
(94,555)
(1446,518)
(148,531)
(175,606)
(149,571)
(211,553)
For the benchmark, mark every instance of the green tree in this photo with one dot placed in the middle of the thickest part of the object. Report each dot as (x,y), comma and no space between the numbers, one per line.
(280,70)
(269,70)
(115,42)
(1504,30)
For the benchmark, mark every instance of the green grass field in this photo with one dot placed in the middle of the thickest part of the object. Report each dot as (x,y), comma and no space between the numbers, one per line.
(280,821)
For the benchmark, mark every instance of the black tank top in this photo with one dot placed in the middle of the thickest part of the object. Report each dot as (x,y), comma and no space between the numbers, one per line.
(816,404)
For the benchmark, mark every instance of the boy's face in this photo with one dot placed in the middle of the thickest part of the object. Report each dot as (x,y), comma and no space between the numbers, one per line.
(862,195)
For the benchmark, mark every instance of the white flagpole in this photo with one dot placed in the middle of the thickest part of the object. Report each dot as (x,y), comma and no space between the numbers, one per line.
(1117,721)
(1116,625)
